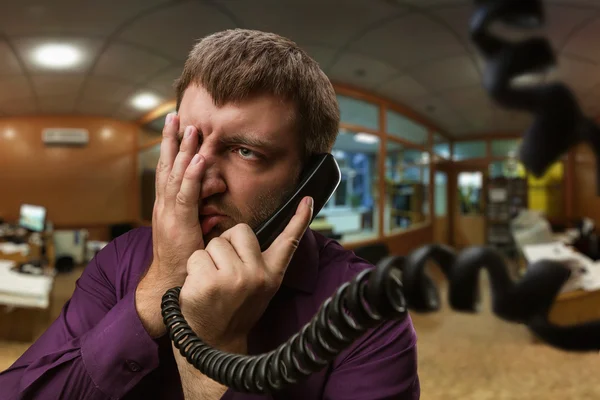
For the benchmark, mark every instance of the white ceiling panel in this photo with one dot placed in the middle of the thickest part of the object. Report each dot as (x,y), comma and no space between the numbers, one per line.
(403,88)
(163,83)
(451,73)
(584,42)
(437,110)
(430,3)
(15,88)
(57,104)
(579,75)
(88,47)
(470,97)
(88,17)
(57,85)
(456,16)
(331,22)
(561,21)
(408,41)
(101,89)
(128,113)
(9,64)
(129,63)
(175,30)
(321,54)
(95,107)
(17,106)
(361,71)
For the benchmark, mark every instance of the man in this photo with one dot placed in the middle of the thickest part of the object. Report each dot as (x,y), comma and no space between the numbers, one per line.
(252,107)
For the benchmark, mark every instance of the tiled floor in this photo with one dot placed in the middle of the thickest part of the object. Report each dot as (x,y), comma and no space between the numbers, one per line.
(466,357)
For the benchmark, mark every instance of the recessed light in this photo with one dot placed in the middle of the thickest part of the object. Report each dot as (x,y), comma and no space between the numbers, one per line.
(9,133)
(145,101)
(57,56)
(366,138)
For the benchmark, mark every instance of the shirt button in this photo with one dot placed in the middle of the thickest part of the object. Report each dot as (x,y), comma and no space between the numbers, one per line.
(133,366)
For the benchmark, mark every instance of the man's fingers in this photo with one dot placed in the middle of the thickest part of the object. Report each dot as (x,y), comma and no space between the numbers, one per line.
(279,254)
(189,146)
(243,239)
(189,193)
(168,151)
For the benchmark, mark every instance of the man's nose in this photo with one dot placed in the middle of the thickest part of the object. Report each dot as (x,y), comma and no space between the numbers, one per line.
(212,181)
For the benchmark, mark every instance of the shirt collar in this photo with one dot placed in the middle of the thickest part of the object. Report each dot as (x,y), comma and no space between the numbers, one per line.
(303,270)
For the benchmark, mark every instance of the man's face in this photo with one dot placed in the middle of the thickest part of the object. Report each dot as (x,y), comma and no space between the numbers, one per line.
(252,156)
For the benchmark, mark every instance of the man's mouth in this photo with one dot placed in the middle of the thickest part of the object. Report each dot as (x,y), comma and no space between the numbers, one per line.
(209,221)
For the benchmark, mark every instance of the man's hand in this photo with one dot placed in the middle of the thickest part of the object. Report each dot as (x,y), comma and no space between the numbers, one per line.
(176,231)
(230,283)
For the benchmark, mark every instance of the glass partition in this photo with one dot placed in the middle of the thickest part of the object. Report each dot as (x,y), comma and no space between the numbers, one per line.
(441,194)
(352,212)
(400,126)
(406,187)
(505,147)
(441,146)
(468,150)
(358,112)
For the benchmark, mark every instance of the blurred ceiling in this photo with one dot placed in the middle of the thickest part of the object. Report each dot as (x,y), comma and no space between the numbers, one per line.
(416,52)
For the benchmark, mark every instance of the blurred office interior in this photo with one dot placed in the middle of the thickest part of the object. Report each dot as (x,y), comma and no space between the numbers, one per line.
(425,155)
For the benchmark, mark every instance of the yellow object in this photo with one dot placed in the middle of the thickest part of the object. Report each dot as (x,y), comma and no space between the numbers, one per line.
(545,193)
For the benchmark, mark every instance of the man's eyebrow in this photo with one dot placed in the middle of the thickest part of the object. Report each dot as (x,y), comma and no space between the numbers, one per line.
(250,141)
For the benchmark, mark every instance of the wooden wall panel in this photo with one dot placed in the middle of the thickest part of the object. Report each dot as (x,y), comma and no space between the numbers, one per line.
(90,186)
(585,200)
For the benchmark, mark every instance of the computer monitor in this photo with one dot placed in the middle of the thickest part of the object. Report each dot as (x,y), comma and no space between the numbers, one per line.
(32,217)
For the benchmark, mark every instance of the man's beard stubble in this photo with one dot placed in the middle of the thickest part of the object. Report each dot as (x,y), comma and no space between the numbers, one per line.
(264,206)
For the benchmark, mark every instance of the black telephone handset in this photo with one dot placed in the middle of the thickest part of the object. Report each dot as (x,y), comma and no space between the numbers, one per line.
(320,178)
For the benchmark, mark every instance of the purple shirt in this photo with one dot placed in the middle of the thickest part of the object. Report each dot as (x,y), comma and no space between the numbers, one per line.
(98,348)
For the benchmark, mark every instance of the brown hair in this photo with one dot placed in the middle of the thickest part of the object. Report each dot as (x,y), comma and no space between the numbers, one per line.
(234,65)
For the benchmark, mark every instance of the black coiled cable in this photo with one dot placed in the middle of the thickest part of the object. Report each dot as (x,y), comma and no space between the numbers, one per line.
(558,123)
(372,297)
(386,292)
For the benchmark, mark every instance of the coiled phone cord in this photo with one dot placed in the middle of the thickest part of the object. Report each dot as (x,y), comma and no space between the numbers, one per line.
(386,292)
(400,283)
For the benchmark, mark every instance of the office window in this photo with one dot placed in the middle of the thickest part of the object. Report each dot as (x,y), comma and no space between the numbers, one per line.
(505,147)
(441,194)
(510,168)
(441,146)
(147,161)
(358,112)
(351,214)
(468,150)
(400,126)
(406,187)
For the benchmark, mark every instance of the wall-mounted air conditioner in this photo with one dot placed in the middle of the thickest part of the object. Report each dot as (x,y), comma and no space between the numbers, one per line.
(65,137)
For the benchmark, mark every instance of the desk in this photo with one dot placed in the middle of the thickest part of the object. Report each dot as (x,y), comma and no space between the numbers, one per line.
(580,304)
(23,316)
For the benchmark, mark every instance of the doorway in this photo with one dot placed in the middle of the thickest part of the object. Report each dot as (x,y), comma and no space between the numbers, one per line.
(468,227)
(442,223)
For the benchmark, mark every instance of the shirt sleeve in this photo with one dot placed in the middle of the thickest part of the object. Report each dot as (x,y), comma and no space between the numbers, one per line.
(96,349)
(382,365)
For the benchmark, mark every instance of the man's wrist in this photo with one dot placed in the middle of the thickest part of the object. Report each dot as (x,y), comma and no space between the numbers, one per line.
(148,297)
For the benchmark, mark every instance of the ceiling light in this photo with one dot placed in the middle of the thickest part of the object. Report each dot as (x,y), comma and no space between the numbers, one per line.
(57,56)
(106,133)
(366,138)
(9,133)
(145,101)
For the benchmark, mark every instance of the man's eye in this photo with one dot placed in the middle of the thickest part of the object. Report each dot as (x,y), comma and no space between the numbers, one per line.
(246,153)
